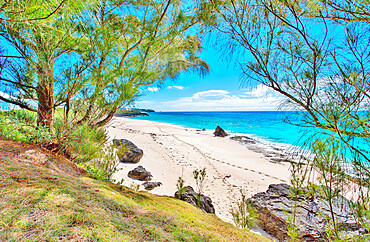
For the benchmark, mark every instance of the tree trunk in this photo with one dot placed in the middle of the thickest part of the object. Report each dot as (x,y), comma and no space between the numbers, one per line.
(87,114)
(106,119)
(45,94)
(66,114)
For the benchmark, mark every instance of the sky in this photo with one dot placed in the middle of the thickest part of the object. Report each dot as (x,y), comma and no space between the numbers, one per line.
(220,90)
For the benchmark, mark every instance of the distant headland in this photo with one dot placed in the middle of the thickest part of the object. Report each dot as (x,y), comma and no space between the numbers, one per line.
(135,112)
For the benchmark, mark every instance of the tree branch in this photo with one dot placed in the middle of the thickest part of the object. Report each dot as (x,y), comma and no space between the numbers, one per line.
(18,103)
(41,18)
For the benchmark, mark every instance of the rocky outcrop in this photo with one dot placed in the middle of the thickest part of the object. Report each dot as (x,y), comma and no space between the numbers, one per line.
(244,139)
(273,152)
(151,185)
(220,132)
(139,173)
(275,207)
(190,196)
(131,153)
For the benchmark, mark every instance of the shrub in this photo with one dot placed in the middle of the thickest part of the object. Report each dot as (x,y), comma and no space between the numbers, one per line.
(80,142)
(94,171)
(244,214)
(20,125)
(199,176)
(24,116)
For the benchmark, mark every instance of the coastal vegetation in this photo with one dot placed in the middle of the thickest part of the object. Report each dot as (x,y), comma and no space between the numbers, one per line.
(92,57)
(82,61)
(79,143)
(45,197)
(316,55)
(199,176)
(244,214)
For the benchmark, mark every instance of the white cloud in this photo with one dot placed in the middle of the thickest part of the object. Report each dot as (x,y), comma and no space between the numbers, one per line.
(176,87)
(138,103)
(222,100)
(210,94)
(153,89)
(259,91)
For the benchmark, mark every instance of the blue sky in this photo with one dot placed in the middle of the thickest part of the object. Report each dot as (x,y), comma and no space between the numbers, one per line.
(220,90)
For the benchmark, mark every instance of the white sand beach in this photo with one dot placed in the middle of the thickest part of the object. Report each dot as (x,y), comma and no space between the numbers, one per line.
(172,151)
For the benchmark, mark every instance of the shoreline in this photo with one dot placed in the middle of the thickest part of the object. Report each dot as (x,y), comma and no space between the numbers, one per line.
(275,151)
(172,151)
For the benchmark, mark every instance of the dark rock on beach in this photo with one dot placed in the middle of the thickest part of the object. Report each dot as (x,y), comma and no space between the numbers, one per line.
(133,153)
(151,185)
(275,206)
(139,173)
(220,132)
(244,139)
(190,196)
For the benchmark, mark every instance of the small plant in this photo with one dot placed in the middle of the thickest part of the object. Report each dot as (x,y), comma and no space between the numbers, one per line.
(108,162)
(135,187)
(199,176)
(244,214)
(94,171)
(292,228)
(104,166)
(299,178)
(120,182)
(180,187)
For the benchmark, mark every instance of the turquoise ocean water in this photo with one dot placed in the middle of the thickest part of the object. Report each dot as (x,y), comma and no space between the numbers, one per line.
(271,126)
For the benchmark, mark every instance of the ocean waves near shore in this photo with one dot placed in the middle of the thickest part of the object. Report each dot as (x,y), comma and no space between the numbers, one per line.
(268,133)
(269,126)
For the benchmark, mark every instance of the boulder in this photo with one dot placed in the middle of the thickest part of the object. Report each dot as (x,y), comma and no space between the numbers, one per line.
(220,132)
(139,173)
(133,153)
(190,196)
(151,185)
(275,206)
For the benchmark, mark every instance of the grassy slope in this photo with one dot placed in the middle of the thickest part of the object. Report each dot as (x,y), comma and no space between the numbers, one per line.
(54,203)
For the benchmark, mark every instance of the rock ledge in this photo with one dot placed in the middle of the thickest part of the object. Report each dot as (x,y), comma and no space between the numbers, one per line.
(275,205)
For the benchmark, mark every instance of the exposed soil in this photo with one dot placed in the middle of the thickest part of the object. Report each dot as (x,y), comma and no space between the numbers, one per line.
(11,151)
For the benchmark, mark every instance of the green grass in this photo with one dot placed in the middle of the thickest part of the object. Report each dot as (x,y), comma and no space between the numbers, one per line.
(39,204)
